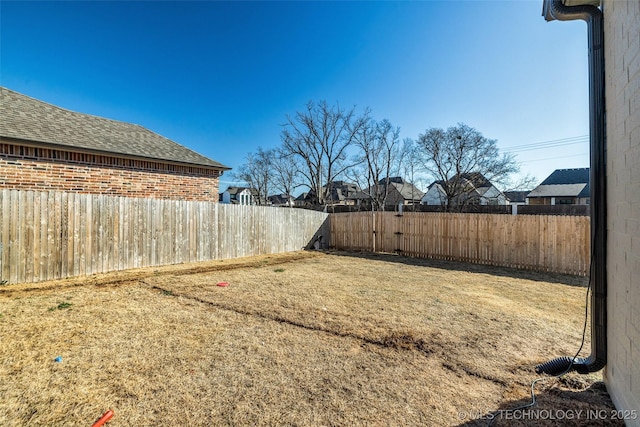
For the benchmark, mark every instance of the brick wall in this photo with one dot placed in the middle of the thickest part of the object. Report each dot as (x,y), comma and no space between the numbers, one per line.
(622,56)
(31,168)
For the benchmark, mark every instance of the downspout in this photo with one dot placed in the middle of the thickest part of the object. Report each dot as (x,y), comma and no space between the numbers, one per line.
(555,9)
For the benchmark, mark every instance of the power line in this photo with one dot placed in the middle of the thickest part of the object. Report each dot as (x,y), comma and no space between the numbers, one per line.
(554,158)
(552,141)
(549,144)
(546,147)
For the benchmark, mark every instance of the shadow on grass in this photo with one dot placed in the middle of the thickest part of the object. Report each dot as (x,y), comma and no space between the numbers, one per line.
(554,407)
(565,279)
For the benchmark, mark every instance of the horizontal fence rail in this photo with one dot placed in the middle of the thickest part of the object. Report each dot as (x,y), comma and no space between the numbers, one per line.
(558,244)
(53,235)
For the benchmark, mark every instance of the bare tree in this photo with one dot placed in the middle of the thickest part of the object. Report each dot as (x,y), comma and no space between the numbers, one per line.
(286,172)
(410,166)
(257,172)
(459,156)
(378,159)
(527,182)
(319,138)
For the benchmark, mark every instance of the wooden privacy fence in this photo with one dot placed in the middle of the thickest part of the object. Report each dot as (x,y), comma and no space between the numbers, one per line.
(52,235)
(557,244)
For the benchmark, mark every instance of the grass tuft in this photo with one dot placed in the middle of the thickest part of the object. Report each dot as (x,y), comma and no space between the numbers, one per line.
(61,306)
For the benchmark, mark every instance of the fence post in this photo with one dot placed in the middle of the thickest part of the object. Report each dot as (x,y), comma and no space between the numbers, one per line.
(373,226)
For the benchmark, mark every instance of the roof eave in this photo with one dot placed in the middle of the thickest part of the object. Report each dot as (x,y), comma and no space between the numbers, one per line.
(63,147)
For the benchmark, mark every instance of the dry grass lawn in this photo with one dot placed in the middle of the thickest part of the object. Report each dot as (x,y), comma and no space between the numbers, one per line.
(305,339)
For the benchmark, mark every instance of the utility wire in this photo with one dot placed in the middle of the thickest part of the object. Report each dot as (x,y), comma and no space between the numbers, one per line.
(553,141)
(549,144)
(554,158)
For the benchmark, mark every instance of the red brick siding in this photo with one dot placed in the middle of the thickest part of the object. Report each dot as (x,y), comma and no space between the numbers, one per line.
(30,168)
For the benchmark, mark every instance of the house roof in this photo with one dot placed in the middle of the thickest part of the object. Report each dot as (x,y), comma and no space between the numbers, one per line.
(28,119)
(233,190)
(557,190)
(280,198)
(474,178)
(586,191)
(302,196)
(477,179)
(396,179)
(341,190)
(516,196)
(406,190)
(568,176)
(564,183)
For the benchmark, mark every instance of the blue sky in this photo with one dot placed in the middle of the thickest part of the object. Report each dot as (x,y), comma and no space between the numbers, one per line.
(220,77)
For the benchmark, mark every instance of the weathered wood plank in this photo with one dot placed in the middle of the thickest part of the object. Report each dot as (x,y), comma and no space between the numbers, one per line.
(538,242)
(50,235)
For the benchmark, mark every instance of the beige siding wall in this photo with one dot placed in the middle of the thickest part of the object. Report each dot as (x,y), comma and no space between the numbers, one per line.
(622,56)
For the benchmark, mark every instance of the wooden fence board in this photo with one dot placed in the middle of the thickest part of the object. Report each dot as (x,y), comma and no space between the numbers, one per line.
(52,235)
(49,235)
(537,242)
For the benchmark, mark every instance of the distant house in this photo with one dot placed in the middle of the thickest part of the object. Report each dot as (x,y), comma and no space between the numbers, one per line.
(239,196)
(48,148)
(303,199)
(280,200)
(470,189)
(516,197)
(435,194)
(398,191)
(562,187)
(340,193)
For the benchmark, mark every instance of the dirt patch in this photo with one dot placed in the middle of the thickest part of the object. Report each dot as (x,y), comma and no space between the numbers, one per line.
(303,339)
(130,276)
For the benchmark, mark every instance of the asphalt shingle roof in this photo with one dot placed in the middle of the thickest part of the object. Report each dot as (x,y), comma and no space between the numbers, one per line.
(568,176)
(516,196)
(564,183)
(406,190)
(557,190)
(26,118)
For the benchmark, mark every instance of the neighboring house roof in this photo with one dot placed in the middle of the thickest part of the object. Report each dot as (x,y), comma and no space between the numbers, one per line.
(403,189)
(568,176)
(482,190)
(392,179)
(471,186)
(477,179)
(564,183)
(233,190)
(473,182)
(280,199)
(341,190)
(586,191)
(516,196)
(28,119)
(302,197)
(557,190)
